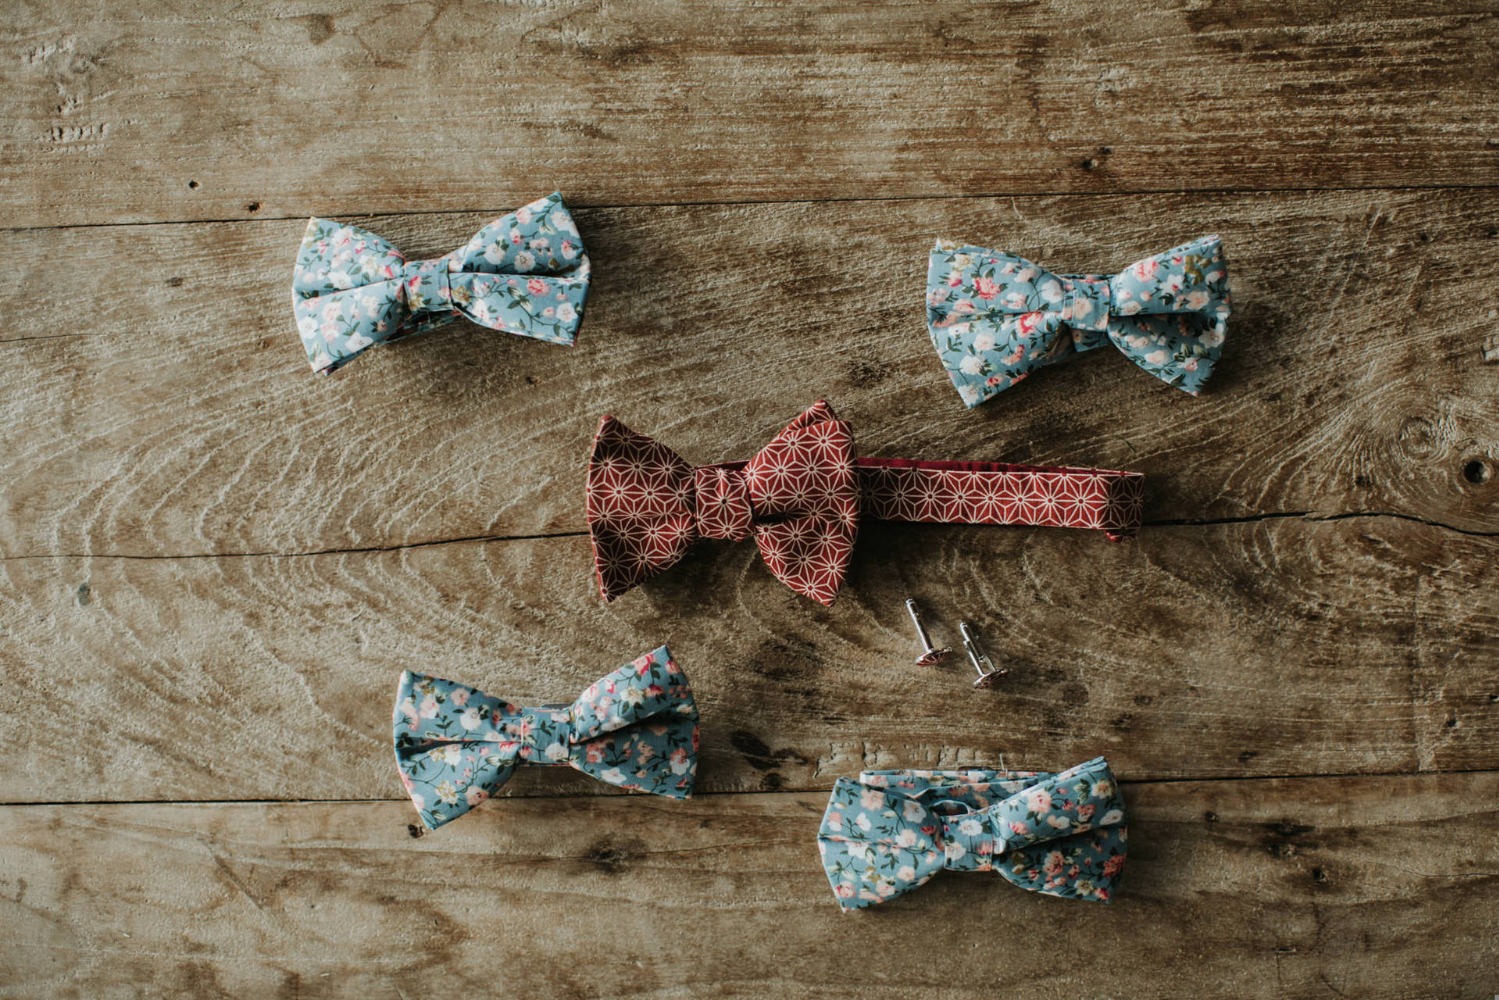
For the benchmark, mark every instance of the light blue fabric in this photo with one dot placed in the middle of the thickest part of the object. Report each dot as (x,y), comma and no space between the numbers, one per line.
(525,273)
(891,831)
(636,728)
(995,318)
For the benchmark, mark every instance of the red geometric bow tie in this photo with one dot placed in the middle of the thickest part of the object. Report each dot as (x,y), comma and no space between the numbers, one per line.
(802,495)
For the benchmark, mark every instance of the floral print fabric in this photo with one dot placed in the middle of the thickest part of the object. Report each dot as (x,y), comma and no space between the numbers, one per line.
(995,318)
(526,273)
(891,831)
(636,728)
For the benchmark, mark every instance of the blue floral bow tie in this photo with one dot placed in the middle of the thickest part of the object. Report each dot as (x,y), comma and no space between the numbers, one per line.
(890,831)
(995,318)
(525,273)
(635,728)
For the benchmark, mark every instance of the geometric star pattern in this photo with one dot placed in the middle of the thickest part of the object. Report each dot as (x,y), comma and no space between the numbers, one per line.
(798,497)
(802,495)
(994,493)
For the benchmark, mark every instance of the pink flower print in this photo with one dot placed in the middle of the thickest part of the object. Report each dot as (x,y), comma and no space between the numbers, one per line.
(906,874)
(1112,866)
(964,306)
(1145,269)
(594,753)
(1102,895)
(1085,813)
(1157,357)
(459,697)
(429,707)
(536,286)
(986,288)
(654,690)
(954,279)
(523,215)
(1190,364)
(871,798)
(1015,356)
(1026,324)
(1054,862)
(843,890)
(1019,829)
(646,753)
(680,761)
(835,821)
(475,795)
(408,709)
(514,238)
(885,889)
(1014,300)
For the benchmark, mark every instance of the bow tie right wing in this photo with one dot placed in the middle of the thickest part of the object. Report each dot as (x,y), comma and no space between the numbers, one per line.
(639,509)
(1064,834)
(346,292)
(1169,312)
(993,317)
(875,846)
(525,273)
(806,502)
(449,747)
(637,728)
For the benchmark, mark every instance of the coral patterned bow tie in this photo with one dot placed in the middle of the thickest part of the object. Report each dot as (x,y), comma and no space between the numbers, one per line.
(524,273)
(890,831)
(995,318)
(636,728)
(801,498)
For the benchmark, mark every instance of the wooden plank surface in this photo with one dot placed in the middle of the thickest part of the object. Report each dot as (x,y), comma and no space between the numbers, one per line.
(1361,645)
(143,111)
(1289,888)
(213,566)
(165,408)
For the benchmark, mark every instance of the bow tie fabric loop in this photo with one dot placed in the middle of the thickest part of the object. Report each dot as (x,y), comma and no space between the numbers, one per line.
(1058,834)
(636,728)
(526,273)
(995,318)
(803,496)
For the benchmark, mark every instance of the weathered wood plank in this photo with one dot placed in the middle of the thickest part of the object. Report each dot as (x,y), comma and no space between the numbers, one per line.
(164,407)
(1283,647)
(140,111)
(1288,888)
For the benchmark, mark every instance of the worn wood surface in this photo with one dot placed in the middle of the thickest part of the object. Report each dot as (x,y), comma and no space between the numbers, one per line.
(166,408)
(1286,646)
(213,565)
(167,111)
(1285,888)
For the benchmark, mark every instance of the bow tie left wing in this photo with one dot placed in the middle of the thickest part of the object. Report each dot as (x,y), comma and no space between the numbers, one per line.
(448,746)
(875,845)
(346,292)
(993,317)
(637,728)
(638,506)
(1169,312)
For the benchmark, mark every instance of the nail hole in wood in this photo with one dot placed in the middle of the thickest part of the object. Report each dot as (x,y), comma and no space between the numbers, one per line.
(192,185)
(1476,472)
(254,206)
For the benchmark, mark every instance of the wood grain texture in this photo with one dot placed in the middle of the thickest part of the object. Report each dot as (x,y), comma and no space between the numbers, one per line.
(164,406)
(1289,888)
(145,111)
(1292,647)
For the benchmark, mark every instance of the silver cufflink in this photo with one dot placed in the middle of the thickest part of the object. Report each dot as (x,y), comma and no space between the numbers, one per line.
(979,657)
(930,655)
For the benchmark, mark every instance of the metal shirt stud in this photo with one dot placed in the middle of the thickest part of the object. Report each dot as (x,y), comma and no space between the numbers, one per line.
(930,656)
(979,657)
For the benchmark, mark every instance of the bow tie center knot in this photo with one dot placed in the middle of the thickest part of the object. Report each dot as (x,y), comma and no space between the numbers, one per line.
(972,840)
(424,283)
(543,734)
(722,503)
(1086,302)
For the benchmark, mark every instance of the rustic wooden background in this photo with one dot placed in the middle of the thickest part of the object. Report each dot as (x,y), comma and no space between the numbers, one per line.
(213,565)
